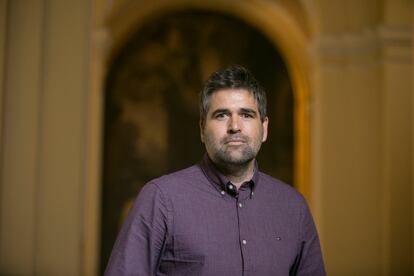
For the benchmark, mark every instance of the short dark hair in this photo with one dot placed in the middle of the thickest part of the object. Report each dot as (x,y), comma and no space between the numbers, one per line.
(233,77)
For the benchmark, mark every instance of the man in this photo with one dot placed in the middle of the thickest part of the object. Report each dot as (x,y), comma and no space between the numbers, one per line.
(221,216)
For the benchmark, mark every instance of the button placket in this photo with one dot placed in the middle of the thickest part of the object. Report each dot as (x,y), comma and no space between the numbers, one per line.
(244,234)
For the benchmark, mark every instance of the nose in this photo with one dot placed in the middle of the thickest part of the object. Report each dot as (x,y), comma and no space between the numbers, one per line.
(234,124)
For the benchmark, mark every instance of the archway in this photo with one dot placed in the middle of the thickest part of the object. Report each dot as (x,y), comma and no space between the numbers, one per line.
(288,43)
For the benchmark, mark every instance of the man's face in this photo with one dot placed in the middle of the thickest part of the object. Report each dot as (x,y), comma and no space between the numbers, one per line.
(233,131)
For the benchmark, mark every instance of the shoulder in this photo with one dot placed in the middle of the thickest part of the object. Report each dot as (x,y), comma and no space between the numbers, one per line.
(177,180)
(160,191)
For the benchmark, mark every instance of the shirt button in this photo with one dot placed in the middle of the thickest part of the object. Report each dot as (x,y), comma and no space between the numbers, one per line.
(240,205)
(244,242)
(222,192)
(231,187)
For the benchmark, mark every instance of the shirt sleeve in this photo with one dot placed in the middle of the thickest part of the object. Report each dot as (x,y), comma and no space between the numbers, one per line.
(141,240)
(309,260)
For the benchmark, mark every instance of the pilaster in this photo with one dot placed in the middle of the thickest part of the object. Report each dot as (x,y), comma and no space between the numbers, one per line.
(346,155)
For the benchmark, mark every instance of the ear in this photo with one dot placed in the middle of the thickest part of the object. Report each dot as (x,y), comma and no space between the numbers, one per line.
(265,124)
(201,131)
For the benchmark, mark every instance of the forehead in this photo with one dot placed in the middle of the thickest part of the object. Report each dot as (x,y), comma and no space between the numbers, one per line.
(232,98)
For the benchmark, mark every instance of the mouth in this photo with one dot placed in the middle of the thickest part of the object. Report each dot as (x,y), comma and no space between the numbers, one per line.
(234,141)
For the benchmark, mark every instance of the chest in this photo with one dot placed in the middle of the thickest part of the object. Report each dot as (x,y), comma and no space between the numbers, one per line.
(225,235)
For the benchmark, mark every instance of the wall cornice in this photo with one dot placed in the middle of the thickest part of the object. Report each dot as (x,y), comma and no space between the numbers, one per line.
(347,49)
(396,43)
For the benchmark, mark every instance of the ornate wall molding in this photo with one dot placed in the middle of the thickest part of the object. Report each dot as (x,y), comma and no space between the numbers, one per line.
(396,43)
(358,49)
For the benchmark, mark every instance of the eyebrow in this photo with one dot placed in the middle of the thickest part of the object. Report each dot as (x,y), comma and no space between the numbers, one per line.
(248,110)
(242,110)
(220,110)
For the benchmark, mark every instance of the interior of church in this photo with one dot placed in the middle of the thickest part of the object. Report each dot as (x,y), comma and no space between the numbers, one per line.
(98,97)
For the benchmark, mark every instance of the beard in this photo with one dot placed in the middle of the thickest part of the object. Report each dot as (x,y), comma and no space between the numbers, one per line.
(226,155)
(232,156)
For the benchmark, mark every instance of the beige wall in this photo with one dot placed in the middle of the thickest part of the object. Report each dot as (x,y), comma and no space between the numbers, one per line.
(397,138)
(363,135)
(357,57)
(3,20)
(347,117)
(44,131)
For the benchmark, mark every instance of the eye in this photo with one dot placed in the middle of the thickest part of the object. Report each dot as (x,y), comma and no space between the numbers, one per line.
(246,115)
(220,115)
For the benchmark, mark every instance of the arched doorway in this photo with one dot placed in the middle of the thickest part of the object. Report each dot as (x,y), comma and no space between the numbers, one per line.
(285,24)
(151,111)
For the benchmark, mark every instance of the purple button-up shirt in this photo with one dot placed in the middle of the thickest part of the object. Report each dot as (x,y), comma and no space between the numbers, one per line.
(194,222)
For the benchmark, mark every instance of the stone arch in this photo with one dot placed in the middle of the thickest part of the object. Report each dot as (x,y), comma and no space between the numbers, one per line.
(284,23)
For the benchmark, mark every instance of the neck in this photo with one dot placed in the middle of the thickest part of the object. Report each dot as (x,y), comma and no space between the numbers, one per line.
(238,173)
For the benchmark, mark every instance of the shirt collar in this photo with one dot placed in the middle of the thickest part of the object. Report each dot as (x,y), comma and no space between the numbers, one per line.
(219,180)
